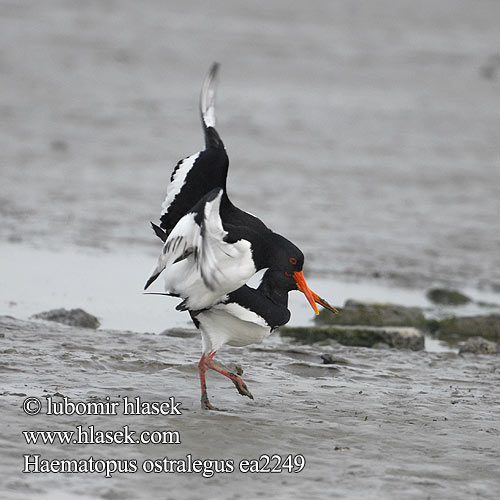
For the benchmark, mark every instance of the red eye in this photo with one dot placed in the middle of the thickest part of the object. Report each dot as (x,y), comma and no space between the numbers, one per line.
(293,261)
(287,273)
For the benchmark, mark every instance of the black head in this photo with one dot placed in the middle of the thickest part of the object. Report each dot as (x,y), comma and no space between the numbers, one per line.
(275,280)
(283,255)
(285,272)
(276,284)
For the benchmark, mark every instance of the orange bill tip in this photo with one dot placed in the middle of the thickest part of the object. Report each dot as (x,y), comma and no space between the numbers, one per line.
(302,286)
(312,297)
(324,303)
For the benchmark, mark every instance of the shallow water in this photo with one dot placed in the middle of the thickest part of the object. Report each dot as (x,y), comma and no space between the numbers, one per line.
(109,285)
(366,135)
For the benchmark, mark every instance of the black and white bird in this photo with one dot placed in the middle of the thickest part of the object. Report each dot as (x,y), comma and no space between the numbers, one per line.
(212,248)
(246,316)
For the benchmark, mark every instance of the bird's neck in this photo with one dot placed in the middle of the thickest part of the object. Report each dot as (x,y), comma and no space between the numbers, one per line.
(276,295)
(225,202)
(263,248)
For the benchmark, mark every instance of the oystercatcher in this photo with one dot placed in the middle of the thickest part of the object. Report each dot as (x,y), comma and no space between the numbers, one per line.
(246,316)
(211,247)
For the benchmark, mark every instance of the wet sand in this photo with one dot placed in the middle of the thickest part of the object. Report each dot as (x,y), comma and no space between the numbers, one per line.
(376,424)
(368,136)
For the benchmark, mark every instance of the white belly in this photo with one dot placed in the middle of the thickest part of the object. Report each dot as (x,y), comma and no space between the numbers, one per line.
(219,327)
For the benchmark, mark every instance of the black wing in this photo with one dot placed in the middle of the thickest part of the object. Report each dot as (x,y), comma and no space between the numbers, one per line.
(197,175)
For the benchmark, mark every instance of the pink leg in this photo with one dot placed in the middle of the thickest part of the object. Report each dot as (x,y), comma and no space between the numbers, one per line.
(237,381)
(202,368)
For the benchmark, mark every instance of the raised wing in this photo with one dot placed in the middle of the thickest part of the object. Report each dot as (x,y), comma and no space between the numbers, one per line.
(200,236)
(196,175)
(216,257)
(182,242)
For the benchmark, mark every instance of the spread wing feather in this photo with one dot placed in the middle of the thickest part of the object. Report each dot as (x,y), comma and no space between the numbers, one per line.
(200,235)
(195,176)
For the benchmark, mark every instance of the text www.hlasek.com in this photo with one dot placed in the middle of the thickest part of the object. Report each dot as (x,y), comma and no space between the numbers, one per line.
(90,435)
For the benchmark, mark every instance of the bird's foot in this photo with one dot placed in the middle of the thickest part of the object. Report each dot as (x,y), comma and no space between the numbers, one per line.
(241,387)
(207,405)
(208,362)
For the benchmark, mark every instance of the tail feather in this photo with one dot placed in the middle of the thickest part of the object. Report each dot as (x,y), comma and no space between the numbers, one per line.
(162,234)
(207,108)
(151,279)
(158,269)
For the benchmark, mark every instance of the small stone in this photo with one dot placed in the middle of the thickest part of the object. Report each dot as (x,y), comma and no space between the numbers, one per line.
(180,333)
(373,314)
(455,329)
(329,359)
(448,297)
(361,336)
(72,317)
(479,345)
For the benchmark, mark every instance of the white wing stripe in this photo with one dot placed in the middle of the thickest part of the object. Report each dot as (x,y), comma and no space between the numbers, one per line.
(181,241)
(212,240)
(178,181)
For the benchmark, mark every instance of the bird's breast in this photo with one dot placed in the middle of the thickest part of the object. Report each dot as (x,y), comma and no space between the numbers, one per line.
(231,325)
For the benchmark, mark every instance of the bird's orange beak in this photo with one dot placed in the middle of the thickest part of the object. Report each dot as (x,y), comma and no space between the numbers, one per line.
(312,297)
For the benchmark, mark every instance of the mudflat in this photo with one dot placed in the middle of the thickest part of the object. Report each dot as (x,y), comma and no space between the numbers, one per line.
(373,423)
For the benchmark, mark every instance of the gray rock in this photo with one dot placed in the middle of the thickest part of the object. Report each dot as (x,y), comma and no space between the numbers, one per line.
(456,329)
(180,332)
(479,345)
(329,359)
(364,313)
(72,317)
(362,336)
(448,297)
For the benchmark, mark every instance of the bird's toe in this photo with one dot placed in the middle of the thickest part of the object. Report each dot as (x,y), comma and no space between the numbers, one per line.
(207,405)
(242,388)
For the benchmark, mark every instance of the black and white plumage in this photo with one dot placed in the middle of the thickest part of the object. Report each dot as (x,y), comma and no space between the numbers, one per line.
(198,258)
(212,248)
(201,263)
(246,316)
(195,176)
